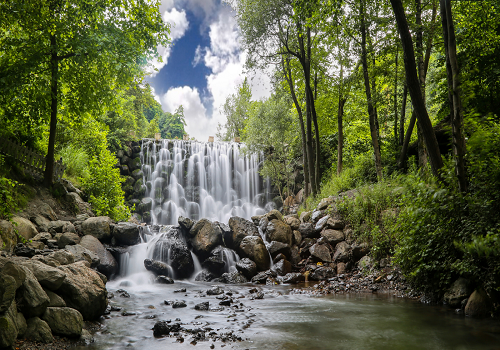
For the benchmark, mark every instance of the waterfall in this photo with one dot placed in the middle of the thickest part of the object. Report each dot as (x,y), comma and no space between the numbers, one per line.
(197,180)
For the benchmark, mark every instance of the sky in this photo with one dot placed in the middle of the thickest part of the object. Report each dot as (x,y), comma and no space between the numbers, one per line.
(203,65)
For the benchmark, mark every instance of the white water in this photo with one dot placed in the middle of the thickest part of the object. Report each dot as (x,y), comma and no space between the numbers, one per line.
(201,180)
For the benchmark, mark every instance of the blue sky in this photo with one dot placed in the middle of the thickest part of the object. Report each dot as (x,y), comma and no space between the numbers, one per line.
(203,65)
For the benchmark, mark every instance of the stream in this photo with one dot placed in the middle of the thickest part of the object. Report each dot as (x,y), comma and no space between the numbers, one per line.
(284,319)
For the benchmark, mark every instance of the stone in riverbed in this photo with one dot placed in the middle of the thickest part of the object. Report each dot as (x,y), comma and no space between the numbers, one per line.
(205,238)
(478,305)
(282,267)
(205,306)
(107,263)
(322,273)
(159,268)
(276,248)
(162,328)
(233,278)
(247,267)
(253,247)
(293,277)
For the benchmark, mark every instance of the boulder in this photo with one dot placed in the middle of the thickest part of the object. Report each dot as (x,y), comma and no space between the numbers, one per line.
(324,203)
(293,277)
(8,289)
(84,290)
(333,237)
(145,205)
(299,197)
(233,277)
(320,252)
(316,215)
(63,257)
(185,223)
(64,321)
(282,267)
(214,264)
(55,300)
(206,238)
(60,226)
(43,237)
(162,328)
(23,250)
(296,237)
(335,224)
(137,174)
(365,263)
(205,306)
(157,267)
(78,204)
(459,290)
(478,305)
(67,238)
(279,231)
(171,245)
(276,248)
(24,227)
(247,267)
(81,253)
(307,230)
(274,215)
(164,280)
(253,247)
(292,221)
(205,276)
(46,211)
(342,252)
(38,331)
(321,223)
(360,250)
(341,268)
(240,228)
(99,227)
(41,223)
(322,273)
(107,263)
(48,276)
(9,327)
(8,237)
(305,216)
(126,233)
(33,299)
(12,269)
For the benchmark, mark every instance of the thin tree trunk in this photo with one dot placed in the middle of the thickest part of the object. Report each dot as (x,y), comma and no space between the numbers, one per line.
(414,88)
(406,142)
(396,98)
(371,111)
(313,113)
(288,76)
(403,116)
(49,159)
(453,78)
(340,143)
(419,46)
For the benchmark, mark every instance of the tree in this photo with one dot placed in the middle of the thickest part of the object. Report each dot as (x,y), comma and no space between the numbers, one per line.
(75,54)
(235,110)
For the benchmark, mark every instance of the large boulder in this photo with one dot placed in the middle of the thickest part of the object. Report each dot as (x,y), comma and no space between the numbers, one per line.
(171,249)
(293,277)
(307,230)
(279,231)
(214,264)
(247,267)
(459,290)
(46,211)
(99,227)
(206,238)
(83,290)
(67,238)
(320,252)
(292,221)
(254,248)
(276,248)
(33,299)
(79,253)
(274,215)
(282,267)
(64,321)
(12,325)
(55,300)
(60,226)
(360,250)
(38,331)
(478,305)
(107,263)
(333,237)
(234,277)
(48,276)
(41,223)
(24,227)
(7,291)
(126,233)
(8,237)
(322,273)
(240,229)
(342,252)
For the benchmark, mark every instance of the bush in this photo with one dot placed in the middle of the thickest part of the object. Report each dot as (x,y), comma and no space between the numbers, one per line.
(76,161)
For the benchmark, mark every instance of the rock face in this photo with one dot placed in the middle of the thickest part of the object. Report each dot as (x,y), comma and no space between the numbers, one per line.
(64,321)
(83,290)
(458,291)
(99,227)
(206,238)
(279,231)
(253,247)
(126,233)
(107,263)
(240,229)
(478,305)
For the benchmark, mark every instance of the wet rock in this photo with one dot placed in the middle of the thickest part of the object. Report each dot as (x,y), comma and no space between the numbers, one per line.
(333,237)
(322,273)
(276,248)
(459,290)
(83,290)
(247,267)
(256,219)
(145,205)
(292,221)
(226,302)
(279,231)
(48,276)
(202,306)
(23,250)
(253,247)
(261,277)
(42,237)
(321,223)
(137,174)
(178,304)
(215,291)
(38,331)
(278,257)
(24,227)
(295,256)
(60,226)
(360,250)
(274,215)
(81,253)
(206,238)
(159,268)
(296,237)
(478,305)
(214,264)
(282,267)
(64,321)
(233,278)
(107,263)
(185,223)
(204,276)
(126,233)
(320,252)
(163,280)
(240,229)
(171,244)
(307,230)
(99,227)
(342,252)
(293,277)
(316,215)
(162,328)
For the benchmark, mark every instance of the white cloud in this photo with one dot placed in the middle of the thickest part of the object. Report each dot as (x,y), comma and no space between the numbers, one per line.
(178,27)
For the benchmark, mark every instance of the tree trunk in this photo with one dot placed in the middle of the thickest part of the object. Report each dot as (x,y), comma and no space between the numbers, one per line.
(414,88)
(419,46)
(396,98)
(371,110)
(49,159)
(288,76)
(453,77)
(406,142)
(340,143)
(402,118)
(313,113)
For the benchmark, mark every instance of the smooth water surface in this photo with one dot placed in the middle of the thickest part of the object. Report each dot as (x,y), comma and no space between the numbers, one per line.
(283,320)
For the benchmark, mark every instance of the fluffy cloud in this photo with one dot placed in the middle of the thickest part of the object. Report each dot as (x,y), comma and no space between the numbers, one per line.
(178,26)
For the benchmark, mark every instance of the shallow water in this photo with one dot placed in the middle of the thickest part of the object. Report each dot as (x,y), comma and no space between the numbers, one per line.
(289,321)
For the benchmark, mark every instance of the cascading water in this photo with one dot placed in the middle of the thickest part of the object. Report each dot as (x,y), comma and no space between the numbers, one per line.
(200,180)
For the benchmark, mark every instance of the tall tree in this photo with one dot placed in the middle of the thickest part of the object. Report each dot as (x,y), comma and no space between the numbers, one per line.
(235,110)
(76,52)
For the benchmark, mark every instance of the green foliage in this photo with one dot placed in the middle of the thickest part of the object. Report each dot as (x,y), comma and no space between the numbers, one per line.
(172,125)
(11,195)
(76,161)
(236,110)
